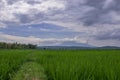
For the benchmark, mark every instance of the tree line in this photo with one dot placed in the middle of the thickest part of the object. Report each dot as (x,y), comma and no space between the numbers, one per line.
(4,45)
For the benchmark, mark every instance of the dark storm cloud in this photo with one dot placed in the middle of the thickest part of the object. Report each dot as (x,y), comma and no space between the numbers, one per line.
(112,35)
(89,12)
(10,2)
(96,16)
(115,6)
(24,18)
(95,3)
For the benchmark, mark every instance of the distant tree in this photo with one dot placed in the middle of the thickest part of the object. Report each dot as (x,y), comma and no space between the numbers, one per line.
(16,45)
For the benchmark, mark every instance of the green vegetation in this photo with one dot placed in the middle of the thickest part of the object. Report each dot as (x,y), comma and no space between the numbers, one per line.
(30,71)
(60,64)
(16,45)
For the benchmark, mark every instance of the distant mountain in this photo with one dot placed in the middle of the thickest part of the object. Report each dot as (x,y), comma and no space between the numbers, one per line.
(69,45)
(109,47)
(73,43)
(76,47)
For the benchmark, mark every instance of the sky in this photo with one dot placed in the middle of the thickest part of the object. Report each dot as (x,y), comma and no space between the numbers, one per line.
(60,22)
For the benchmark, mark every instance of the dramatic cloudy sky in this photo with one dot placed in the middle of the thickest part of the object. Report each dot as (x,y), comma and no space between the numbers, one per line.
(60,22)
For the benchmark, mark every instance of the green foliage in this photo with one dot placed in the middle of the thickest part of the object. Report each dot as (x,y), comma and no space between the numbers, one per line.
(64,64)
(4,45)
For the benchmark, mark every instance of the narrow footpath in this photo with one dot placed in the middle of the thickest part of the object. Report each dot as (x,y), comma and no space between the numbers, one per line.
(31,70)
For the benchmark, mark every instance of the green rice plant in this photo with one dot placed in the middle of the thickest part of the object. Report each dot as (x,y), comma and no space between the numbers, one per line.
(81,64)
(10,61)
(64,64)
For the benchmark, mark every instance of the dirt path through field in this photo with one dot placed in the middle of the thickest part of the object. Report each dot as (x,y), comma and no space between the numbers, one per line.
(30,71)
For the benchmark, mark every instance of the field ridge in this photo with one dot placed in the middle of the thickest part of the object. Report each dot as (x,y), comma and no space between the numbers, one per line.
(30,71)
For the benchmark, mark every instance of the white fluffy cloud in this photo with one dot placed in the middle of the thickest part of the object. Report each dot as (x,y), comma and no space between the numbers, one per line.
(8,12)
(38,41)
(10,38)
(90,17)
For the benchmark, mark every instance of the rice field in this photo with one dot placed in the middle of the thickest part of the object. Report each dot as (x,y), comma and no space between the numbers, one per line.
(60,64)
